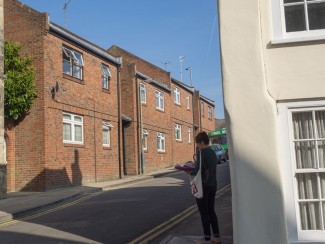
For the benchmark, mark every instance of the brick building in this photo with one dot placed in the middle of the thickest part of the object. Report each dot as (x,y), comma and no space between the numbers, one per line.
(95,118)
(145,84)
(206,114)
(71,134)
(170,113)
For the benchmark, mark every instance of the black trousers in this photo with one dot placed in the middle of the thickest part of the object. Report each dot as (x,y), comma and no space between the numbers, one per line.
(206,209)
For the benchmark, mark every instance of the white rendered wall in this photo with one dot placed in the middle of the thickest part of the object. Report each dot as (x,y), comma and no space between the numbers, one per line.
(258,209)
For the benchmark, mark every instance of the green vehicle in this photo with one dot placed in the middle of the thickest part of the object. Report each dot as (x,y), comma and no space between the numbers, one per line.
(219,137)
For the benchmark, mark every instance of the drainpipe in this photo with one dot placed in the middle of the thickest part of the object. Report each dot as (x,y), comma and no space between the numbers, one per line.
(141,133)
(95,154)
(95,148)
(137,107)
(119,120)
(193,128)
(139,128)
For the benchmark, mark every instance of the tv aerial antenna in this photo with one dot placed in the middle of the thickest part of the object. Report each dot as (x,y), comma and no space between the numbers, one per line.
(165,63)
(65,7)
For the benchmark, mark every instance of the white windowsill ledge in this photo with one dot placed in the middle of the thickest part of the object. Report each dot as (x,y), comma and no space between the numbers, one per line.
(297,39)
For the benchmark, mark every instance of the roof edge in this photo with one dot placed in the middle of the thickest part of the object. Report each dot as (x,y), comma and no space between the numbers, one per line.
(208,100)
(84,44)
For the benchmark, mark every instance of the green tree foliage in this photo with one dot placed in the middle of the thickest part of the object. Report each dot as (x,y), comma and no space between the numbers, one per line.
(19,86)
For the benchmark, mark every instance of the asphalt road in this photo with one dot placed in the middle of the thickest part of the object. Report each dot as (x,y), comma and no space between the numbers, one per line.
(115,216)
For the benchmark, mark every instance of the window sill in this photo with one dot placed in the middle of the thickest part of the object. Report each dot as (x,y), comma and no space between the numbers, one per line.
(160,110)
(106,90)
(161,152)
(69,77)
(297,39)
(107,147)
(69,144)
(179,141)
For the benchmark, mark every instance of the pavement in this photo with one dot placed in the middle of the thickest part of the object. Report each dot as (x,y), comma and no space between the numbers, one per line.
(183,228)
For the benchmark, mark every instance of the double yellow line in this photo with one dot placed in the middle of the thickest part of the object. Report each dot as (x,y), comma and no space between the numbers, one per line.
(153,233)
(41,213)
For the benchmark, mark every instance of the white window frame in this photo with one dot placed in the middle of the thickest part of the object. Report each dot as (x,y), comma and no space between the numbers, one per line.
(189,135)
(106,127)
(73,123)
(159,100)
(209,112)
(279,29)
(145,135)
(287,154)
(106,76)
(187,101)
(177,96)
(161,142)
(178,132)
(74,62)
(143,93)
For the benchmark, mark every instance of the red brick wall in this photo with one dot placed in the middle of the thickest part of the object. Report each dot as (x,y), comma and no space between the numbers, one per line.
(142,66)
(152,119)
(42,161)
(182,150)
(28,28)
(155,120)
(207,123)
(91,161)
(129,108)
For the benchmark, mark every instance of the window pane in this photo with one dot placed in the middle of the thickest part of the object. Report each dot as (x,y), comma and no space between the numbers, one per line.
(320,123)
(316,16)
(305,155)
(106,71)
(321,153)
(322,185)
(66,67)
(77,118)
(162,102)
(307,186)
(79,58)
(303,125)
(143,96)
(67,132)
(77,72)
(310,216)
(67,116)
(105,136)
(66,54)
(158,143)
(104,83)
(78,133)
(295,18)
(163,144)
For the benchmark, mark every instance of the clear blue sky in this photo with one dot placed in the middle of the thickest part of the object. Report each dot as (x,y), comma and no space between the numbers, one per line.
(155,30)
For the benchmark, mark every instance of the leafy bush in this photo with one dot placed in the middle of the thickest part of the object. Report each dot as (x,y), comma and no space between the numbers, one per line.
(19,86)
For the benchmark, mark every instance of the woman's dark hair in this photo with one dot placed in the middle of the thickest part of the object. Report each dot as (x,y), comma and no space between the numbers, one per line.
(202,136)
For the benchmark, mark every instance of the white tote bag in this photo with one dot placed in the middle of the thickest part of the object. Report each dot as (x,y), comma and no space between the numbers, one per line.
(196,183)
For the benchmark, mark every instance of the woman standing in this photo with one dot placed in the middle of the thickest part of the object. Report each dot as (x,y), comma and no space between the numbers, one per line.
(209,182)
